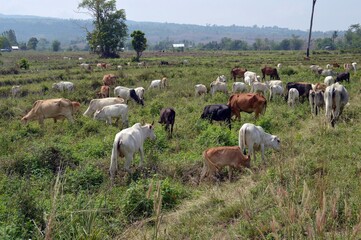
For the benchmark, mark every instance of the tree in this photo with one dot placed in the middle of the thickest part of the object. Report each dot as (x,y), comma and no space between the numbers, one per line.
(32,43)
(309,35)
(4,42)
(43,44)
(55,45)
(110,30)
(11,36)
(139,43)
(334,36)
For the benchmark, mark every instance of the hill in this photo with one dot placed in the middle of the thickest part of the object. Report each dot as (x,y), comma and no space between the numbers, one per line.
(67,30)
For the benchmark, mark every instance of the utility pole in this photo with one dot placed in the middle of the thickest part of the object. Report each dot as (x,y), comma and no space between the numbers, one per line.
(309,35)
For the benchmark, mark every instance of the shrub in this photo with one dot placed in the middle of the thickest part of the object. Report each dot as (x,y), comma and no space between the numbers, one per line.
(87,178)
(23,64)
(288,71)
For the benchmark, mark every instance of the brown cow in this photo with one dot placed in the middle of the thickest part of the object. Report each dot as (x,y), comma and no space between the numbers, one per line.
(58,108)
(109,79)
(102,65)
(218,157)
(247,102)
(272,72)
(104,92)
(238,72)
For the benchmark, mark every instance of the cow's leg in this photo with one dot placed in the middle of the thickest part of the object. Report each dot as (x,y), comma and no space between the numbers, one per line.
(230,171)
(128,160)
(141,151)
(171,129)
(70,118)
(204,172)
(41,121)
(262,152)
(251,150)
(109,120)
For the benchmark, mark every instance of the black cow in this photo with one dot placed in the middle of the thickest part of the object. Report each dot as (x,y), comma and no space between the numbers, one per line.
(135,97)
(343,76)
(217,112)
(302,87)
(167,117)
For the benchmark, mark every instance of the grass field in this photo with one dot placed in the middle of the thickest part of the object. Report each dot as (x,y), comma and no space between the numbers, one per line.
(54,181)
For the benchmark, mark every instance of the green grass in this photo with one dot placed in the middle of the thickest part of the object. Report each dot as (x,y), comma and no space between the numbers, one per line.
(309,189)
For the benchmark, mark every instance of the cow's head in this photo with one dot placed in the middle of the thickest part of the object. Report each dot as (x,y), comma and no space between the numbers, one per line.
(150,132)
(275,142)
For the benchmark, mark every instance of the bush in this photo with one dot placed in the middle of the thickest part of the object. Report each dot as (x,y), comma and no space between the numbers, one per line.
(288,71)
(89,178)
(24,64)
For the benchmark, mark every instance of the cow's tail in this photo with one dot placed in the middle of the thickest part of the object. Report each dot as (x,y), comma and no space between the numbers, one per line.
(242,139)
(264,107)
(114,158)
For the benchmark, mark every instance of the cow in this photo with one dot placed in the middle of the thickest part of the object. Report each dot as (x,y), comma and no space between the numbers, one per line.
(167,117)
(336,97)
(316,69)
(239,87)
(217,112)
(142,64)
(158,83)
(200,89)
(140,92)
(272,72)
(221,78)
(293,97)
(274,82)
(347,67)
(319,86)
(279,65)
(250,77)
(99,103)
(328,66)
(303,89)
(354,66)
(218,87)
(327,72)
(247,102)
(275,90)
(127,94)
(335,65)
(238,72)
(214,159)
(343,76)
(255,138)
(58,108)
(258,87)
(109,79)
(115,110)
(62,86)
(328,81)
(15,90)
(104,92)
(102,65)
(126,143)
(86,66)
(316,99)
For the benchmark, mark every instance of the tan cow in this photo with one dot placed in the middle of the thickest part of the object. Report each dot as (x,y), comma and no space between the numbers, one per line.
(109,79)
(247,102)
(218,157)
(58,108)
(104,92)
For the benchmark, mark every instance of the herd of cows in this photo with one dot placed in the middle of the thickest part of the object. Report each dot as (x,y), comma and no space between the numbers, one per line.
(329,95)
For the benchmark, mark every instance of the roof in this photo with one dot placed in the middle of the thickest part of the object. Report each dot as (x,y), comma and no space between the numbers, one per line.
(15,47)
(178,45)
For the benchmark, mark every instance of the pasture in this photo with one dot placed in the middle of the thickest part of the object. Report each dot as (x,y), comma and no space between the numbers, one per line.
(54,181)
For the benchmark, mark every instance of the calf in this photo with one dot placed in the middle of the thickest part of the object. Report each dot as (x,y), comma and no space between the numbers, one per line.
(214,159)
(343,76)
(127,94)
(97,104)
(239,87)
(167,117)
(62,86)
(109,79)
(317,102)
(254,138)
(217,112)
(158,83)
(275,90)
(293,97)
(115,110)
(104,92)
(218,87)
(200,89)
(258,87)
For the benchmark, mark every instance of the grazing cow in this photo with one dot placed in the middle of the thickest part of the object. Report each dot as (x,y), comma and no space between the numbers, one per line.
(343,76)
(238,72)
(104,92)
(218,87)
(200,89)
(328,66)
(302,87)
(102,65)
(62,86)
(114,110)
(319,86)
(239,87)
(109,79)
(158,83)
(335,65)
(275,90)
(127,142)
(167,117)
(316,100)
(247,102)
(250,77)
(217,112)
(255,138)
(85,66)
(58,108)
(258,87)
(119,67)
(15,90)
(127,94)
(293,97)
(221,78)
(336,97)
(214,159)
(316,69)
(272,72)
(97,104)
(354,66)
(327,72)
(328,81)
(347,67)
(274,82)
(140,92)
(164,63)
(279,65)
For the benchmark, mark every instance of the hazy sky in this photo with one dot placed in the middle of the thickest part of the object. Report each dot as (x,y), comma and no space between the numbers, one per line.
(293,14)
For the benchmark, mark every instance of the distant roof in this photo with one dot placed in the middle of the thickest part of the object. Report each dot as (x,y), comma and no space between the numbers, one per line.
(178,45)
(15,47)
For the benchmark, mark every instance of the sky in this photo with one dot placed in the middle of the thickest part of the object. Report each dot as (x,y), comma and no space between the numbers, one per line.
(293,14)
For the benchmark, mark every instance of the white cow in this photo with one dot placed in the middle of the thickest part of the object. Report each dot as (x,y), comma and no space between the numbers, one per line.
(99,103)
(221,78)
(15,90)
(158,83)
(293,97)
(250,77)
(316,100)
(127,94)
(62,86)
(259,87)
(140,92)
(255,138)
(279,65)
(354,66)
(200,89)
(274,82)
(218,87)
(127,142)
(239,87)
(329,80)
(115,110)
(85,66)
(327,72)
(336,97)
(275,90)
(328,66)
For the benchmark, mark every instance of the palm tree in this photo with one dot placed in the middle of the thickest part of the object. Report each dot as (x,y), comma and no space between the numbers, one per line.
(309,35)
